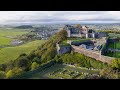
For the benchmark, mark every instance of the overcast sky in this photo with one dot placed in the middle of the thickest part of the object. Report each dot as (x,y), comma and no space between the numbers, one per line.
(53,16)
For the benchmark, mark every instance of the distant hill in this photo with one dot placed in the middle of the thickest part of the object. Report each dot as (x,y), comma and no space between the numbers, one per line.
(24,27)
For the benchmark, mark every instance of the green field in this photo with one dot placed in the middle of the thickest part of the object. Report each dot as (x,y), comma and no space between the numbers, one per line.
(115,45)
(11,53)
(7,35)
(116,54)
(59,71)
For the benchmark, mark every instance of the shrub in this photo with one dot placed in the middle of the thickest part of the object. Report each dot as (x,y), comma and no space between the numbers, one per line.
(34,66)
(109,73)
(10,74)
(115,64)
(2,75)
(14,72)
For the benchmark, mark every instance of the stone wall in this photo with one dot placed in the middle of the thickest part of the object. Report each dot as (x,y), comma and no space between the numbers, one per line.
(93,54)
(64,49)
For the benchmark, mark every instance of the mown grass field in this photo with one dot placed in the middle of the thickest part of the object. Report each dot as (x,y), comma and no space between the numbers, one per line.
(115,45)
(59,71)
(7,35)
(112,45)
(115,54)
(11,53)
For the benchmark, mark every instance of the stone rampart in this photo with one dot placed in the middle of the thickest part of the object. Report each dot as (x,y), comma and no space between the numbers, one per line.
(93,54)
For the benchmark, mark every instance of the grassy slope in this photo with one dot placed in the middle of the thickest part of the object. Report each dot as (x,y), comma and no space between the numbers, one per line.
(11,53)
(5,41)
(111,45)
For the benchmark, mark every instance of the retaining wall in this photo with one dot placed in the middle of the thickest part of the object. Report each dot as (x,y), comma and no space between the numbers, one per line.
(93,54)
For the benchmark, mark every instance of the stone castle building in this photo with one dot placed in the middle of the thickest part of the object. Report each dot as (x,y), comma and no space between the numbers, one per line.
(82,31)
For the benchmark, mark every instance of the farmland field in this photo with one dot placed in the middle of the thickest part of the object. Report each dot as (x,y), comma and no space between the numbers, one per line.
(7,35)
(112,45)
(11,53)
(59,71)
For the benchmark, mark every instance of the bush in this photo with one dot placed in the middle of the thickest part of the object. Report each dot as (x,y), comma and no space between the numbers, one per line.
(2,75)
(10,74)
(36,59)
(109,73)
(14,72)
(23,62)
(115,64)
(80,60)
(34,66)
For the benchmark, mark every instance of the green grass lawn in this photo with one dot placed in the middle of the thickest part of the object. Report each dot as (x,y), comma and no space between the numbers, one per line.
(11,53)
(116,55)
(111,45)
(7,35)
(58,71)
(12,31)
(5,41)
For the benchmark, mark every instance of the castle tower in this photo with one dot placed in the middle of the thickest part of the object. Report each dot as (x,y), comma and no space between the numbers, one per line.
(86,35)
(86,32)
(93,35)
(68,32)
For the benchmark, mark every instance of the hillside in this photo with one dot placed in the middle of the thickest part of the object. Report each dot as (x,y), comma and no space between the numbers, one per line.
(6,55)
(24,27)
(45,56)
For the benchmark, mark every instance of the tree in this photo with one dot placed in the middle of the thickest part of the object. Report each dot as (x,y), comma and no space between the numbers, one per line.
(23,62)
(10,74)
(18,71)
(34,66)
(3,67)
(36,59)
(62,35)
(109,73)
(10,65)
(115,64)
(49,54)
(2,75)
(14,72)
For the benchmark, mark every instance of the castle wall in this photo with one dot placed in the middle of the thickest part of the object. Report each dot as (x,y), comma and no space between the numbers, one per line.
(93,54)
(68,32)
(62,50)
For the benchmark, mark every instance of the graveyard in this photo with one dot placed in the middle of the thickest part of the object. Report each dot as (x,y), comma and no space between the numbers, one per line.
(60,71)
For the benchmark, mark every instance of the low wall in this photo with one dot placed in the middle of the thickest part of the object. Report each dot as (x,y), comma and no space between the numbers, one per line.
(93,54)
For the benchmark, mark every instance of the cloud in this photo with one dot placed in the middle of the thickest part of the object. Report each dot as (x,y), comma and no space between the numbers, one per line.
(52,16)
